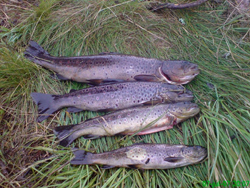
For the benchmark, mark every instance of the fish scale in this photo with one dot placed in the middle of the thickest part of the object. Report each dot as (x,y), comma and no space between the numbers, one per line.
(139,120)
(113,67)
(144,156)
(111,97)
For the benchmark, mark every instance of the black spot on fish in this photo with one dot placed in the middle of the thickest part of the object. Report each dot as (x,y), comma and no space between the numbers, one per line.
(147,161)
(86,62)
(93,90)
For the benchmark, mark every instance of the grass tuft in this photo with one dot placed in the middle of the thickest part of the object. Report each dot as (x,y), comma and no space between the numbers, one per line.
(215,36)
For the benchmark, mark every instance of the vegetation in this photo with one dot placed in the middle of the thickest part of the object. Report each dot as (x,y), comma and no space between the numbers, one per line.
(215,36)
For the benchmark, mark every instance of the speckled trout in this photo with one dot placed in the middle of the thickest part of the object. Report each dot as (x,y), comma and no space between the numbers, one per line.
(110,97)
(140,120)
(144,156)
(105,68)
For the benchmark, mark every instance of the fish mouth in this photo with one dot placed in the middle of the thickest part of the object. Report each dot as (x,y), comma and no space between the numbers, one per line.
(196,154)
(191,73)
(202,154)
(187,96)
(184,97)
(194,109)
(193,69)
(199,159)
(203,158)
(187,78)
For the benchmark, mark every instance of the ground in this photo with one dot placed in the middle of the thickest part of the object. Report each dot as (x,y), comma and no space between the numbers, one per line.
(214,35)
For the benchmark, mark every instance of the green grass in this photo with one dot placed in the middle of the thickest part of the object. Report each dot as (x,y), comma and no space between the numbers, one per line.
(212,38)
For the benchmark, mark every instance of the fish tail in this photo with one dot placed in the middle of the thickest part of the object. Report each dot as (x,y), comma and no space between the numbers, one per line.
(65,134)
(82,157)
(46,105)
(35,50)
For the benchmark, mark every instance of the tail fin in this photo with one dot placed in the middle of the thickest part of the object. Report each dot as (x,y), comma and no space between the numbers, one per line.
(46,105)
(82,157)
(65,134)
(34,50)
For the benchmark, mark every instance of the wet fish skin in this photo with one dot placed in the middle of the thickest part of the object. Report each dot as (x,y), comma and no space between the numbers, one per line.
(98,69)
(144,156)
(144,120)
(110,97)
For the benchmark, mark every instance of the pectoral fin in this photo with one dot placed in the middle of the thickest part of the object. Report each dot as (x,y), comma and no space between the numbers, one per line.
(173,159)
(74,109)
(148,78)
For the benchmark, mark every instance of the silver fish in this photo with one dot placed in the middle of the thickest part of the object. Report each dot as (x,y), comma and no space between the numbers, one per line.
(144,156)
(140,120)
(106,68)
(110,97)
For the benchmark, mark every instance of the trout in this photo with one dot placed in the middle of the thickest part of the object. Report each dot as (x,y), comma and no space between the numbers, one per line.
(113,67)
(140,120)
(144,156)
(110,97)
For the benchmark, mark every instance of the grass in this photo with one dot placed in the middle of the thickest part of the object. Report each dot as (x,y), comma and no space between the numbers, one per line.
(212,37)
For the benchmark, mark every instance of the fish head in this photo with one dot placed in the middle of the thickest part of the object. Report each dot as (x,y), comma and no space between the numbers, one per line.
(184,110)
(179,72)
(182,155)
(193,154)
